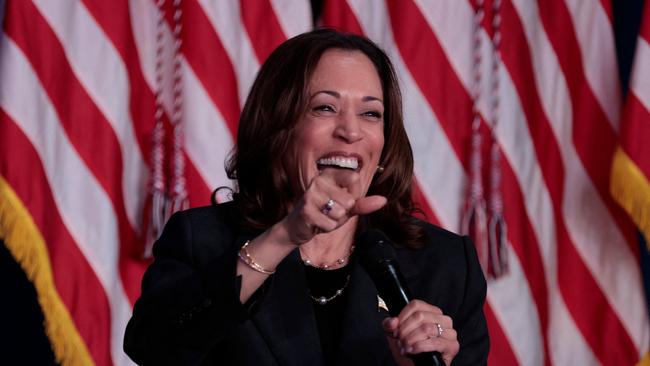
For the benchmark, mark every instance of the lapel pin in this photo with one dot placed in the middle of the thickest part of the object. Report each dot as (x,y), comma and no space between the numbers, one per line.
(381,304)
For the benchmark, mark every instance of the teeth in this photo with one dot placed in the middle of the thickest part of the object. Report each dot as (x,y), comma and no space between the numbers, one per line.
(339,161)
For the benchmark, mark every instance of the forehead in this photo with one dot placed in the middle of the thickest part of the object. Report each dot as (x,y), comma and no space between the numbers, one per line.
(339,68)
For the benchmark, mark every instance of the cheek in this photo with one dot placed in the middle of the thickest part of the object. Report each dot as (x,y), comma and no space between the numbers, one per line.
(306,144)
(377,144)
(311,131)
(381,144)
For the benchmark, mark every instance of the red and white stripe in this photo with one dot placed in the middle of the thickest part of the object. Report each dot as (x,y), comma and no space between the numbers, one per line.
(76,115)
(574,293)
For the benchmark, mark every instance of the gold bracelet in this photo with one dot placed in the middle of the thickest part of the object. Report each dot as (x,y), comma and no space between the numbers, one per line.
(249,261)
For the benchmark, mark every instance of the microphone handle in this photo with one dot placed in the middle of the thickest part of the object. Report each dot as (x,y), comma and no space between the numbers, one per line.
(396,301)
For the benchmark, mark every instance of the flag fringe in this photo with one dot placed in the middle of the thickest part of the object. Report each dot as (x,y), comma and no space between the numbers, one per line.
(631,189)
(645,361)
(26,244)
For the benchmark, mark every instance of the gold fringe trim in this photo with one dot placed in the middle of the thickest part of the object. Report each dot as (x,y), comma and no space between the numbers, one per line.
(631,189)
(26,244)
(645,361)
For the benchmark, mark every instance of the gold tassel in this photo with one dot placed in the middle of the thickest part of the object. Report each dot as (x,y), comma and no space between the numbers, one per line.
(645,361)
(27,246)
(631,189)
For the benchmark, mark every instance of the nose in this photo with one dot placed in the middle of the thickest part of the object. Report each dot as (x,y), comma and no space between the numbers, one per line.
(348,127)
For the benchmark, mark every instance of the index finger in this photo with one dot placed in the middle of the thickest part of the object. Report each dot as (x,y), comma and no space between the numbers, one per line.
(349,180)
(417,305)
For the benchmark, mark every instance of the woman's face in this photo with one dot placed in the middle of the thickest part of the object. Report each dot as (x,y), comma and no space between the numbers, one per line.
(342,128)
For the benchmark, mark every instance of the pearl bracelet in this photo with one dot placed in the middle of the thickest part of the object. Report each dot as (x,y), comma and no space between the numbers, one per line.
(250,262)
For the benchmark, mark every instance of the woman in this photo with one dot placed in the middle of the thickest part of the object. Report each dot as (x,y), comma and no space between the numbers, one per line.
(271,277)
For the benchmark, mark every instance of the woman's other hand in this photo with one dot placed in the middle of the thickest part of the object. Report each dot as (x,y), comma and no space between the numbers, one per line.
(421,327)
(313,215)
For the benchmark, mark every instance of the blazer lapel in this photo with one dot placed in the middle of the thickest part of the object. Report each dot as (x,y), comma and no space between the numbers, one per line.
(286,317)
(363,341)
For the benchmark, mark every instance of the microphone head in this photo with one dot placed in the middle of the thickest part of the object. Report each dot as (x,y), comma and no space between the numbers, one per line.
(378,258)
(374,248)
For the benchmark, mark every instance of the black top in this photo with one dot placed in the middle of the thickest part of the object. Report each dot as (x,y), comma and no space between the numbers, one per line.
(189,312)
(329,316)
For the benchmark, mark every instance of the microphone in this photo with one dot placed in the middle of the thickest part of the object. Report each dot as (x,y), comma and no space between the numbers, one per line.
(377,257)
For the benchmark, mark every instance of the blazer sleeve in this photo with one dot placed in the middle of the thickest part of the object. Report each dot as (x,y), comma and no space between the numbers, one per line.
(471,325)
(185,308)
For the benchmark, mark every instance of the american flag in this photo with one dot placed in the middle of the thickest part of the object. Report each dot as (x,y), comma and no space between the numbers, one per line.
(630,183)
(80,81)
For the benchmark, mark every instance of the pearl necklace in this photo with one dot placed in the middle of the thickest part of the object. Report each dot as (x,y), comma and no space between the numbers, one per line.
(322,300)
(338,263)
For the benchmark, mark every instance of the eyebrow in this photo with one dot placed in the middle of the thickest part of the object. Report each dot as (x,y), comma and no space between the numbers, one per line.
(367,98)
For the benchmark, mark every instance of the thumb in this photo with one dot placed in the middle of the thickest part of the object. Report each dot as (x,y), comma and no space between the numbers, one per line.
(390,324)
(369,204)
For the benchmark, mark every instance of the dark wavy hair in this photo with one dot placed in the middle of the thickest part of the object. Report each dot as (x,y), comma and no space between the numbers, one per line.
(277,100)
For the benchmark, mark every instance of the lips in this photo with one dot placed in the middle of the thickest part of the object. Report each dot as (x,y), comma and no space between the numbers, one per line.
(340,160)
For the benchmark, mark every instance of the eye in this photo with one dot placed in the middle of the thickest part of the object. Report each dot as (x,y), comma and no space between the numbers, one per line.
(324,108)
(373,114)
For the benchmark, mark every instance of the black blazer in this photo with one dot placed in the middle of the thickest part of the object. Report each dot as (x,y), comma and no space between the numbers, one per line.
(189,312)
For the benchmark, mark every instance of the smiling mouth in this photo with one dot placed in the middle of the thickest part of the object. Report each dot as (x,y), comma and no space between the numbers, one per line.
(339,162)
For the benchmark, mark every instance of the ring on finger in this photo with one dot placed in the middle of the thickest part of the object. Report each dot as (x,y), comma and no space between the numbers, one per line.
(440,329)
(327,207)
